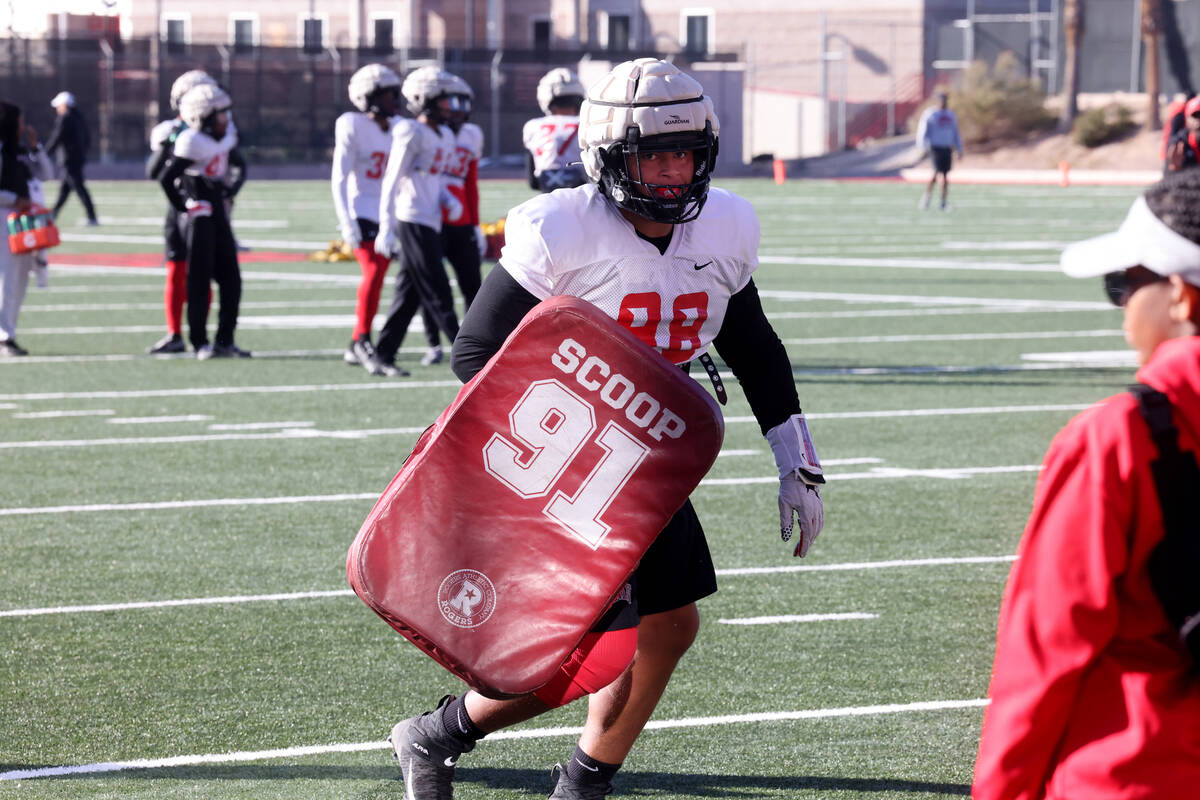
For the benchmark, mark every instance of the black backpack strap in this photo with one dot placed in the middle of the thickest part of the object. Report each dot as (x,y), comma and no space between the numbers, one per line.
(1174,564)
(1156,410)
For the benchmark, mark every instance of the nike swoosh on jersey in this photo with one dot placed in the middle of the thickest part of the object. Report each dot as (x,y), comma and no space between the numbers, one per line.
(701,266)
(450,762)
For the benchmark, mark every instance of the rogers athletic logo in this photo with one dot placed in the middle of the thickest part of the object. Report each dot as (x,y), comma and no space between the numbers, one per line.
(466,598)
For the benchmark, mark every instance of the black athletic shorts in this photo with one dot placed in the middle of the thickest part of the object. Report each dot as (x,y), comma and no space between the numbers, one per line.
(942,157)
(676,570)
(368,229)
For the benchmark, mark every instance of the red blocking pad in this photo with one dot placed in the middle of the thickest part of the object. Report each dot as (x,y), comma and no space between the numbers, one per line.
(526,506)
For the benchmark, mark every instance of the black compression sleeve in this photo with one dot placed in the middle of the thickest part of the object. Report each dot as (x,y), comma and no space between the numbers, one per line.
(495,312)
(166,180)
(749,346)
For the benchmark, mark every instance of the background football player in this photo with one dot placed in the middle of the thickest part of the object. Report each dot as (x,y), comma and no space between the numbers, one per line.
(162,145)
(552,141)
(412,198)
(362,141)
(194,181)
(463,242)
(648,243)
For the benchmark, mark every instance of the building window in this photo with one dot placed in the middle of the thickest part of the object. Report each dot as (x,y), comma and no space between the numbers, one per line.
(541,35)
(245,34)
(175,30)
(384,34)
(617,33)
(697,31)
(313,35)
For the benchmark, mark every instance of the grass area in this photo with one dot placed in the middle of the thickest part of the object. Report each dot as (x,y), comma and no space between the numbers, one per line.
(935,353)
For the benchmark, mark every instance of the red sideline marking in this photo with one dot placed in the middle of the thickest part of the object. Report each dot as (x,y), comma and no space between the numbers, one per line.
(156,259)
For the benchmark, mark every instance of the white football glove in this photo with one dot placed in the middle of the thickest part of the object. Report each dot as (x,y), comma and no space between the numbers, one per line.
(198,208)
(386,243)
(801,500)
(799,476)
(481,240)
(351,235)
(451,205)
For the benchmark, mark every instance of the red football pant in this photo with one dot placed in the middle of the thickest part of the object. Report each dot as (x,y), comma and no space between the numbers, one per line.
(374,267)
(175,295)
(598,660)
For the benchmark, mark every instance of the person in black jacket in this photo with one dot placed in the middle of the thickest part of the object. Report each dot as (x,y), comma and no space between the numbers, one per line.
(70,134)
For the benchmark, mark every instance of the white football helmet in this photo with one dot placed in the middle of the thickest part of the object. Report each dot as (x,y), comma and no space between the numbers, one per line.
(648,106)
(188,80)
(201,102)
(367,81)
(558,83)
(423,86)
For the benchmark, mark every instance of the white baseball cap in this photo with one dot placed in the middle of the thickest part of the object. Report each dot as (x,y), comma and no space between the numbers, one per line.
(63,99)
(1142,240)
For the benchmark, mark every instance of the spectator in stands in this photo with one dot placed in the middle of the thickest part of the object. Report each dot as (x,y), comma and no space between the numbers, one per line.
(938,134)
(70,135)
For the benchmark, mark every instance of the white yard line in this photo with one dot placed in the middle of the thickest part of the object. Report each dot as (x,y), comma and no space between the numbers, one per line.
(789,618)
(209,391)
(958,337)
(933,300)
(528,733)
(910,263)
(327,593)
(87,412)
(287,433)
(158,420)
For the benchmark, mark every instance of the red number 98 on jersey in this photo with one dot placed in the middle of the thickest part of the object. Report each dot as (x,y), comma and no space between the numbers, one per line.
(526,506)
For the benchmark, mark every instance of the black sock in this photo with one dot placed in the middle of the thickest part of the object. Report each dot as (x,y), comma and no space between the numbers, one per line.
(458,724)
(582,768)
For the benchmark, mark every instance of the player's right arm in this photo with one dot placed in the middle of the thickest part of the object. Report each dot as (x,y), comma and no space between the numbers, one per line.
(339,179)
(403,155)
(174,169)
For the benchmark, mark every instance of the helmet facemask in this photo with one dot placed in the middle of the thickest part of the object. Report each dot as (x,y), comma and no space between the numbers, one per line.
(669,203)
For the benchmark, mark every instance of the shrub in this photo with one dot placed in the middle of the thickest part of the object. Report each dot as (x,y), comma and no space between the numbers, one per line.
(999,104)
(1102,125)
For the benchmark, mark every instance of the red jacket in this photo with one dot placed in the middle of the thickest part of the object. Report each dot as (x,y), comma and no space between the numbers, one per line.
(1093,696)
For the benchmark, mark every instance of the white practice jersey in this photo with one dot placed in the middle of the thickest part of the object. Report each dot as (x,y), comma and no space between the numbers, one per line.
(210,157)
(161,133)
(468,147)
(360,157)
(413,184)
(553,141)
(575,242)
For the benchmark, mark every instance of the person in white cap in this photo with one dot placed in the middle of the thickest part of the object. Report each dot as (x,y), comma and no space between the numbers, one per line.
(652,246)
(1095,691)
(71,135)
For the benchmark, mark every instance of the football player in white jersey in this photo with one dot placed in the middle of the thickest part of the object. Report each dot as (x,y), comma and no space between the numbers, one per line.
(194,182)
(362,140)
(463,242)
(412,199)
(552,141)
(162,144)
(651,245)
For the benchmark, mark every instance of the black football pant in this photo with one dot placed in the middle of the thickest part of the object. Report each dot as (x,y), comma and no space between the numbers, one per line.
(73,179)
(212,256)
(462,251)
(420,283)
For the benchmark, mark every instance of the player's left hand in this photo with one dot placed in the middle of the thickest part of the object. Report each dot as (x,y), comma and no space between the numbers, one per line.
(386,243)
(800,505)
(452,206)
